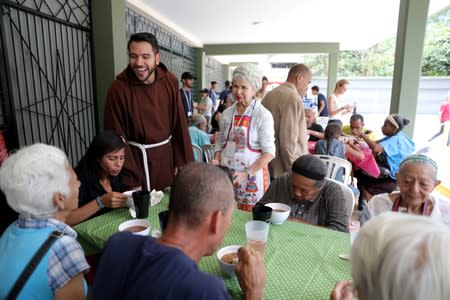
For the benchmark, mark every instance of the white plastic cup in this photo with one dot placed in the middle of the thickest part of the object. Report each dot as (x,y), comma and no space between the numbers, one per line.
(257,233)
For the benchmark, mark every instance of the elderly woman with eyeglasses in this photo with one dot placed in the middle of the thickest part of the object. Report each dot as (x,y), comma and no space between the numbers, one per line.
(417,178)
(246,141)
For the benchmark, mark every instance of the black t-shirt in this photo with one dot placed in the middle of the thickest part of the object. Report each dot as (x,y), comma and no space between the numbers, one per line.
(315,127)
(89,192)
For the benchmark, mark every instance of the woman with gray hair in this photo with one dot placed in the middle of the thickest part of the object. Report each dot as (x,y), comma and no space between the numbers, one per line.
(246,141)
(401,257)
(42,187)
(417,178)
(197,127)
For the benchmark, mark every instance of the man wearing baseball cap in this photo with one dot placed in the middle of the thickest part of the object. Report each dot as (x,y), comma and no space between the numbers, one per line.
(187,79)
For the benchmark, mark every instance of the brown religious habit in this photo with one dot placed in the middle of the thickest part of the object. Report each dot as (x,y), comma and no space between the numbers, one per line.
(151,118)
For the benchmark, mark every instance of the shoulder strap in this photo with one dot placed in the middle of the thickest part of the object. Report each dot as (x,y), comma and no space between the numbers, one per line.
(32,264)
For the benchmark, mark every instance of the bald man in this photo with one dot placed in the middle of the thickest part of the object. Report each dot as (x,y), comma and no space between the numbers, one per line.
(315,130)
(201,206)
(291,136)
(312,197)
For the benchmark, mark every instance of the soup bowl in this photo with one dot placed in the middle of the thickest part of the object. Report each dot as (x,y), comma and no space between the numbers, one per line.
(280,212)
(227,257)
(137,226)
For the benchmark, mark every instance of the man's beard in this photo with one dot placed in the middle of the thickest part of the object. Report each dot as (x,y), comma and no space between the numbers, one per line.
(151,70)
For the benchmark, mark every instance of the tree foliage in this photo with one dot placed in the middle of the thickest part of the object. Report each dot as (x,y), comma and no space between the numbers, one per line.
(378,60)
(436,52)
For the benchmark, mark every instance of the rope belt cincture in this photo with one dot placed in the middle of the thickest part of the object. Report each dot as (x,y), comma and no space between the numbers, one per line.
(143,148)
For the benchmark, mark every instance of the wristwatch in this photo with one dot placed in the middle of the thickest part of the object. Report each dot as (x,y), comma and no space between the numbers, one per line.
(99,202)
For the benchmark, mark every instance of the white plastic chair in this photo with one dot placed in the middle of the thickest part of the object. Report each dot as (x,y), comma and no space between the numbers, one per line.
(334,164)
(350,199)
(198,154)
(208,151)
(323,121)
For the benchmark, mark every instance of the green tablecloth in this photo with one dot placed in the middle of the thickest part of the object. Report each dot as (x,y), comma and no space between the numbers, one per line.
(302,261)
(93,233)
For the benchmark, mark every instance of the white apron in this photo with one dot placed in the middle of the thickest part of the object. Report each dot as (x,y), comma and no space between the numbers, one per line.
(238,155)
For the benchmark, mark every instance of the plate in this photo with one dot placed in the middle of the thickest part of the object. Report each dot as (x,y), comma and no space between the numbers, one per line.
(344,256)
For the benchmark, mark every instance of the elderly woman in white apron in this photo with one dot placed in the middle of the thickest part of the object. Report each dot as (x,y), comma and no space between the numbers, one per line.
(246,141)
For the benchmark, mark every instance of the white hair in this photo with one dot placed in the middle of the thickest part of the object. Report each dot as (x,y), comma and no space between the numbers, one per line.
(197,120)
(250,73)
(403,257)
(32,176)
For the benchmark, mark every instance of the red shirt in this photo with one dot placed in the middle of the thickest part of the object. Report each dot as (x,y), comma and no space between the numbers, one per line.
(445,112)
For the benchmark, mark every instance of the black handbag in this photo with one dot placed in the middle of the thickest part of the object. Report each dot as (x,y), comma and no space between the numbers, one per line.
(32,264)
(383,164)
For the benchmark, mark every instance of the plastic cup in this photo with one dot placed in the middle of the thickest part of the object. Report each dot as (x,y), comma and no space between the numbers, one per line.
(141,201)
(257,233)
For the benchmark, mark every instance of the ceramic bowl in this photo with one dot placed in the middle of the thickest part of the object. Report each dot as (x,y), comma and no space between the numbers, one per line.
(280,212)
(227,268)
(137,226)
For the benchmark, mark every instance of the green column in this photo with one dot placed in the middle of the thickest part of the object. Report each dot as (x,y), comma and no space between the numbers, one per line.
(200,72)
(109,38)
(332,71)
(412,22)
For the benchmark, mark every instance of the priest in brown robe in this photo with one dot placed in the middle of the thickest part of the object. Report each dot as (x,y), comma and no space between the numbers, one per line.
(143,106)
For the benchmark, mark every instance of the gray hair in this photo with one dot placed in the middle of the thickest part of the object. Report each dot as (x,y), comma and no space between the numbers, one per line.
(250,73)
(402,257)
(32,176)
(197,120)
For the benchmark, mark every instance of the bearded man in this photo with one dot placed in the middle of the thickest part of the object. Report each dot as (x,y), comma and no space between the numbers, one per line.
(143,105)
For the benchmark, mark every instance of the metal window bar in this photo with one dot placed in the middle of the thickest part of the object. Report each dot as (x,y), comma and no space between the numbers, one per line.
(50,89)
(176,54)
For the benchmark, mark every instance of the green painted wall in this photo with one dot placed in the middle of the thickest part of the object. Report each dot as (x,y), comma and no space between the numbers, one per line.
(108,25)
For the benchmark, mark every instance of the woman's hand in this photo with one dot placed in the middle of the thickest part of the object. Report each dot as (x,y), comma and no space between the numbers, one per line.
(342,291)
(239,177)
(218,156)
(114,199)
(347,108)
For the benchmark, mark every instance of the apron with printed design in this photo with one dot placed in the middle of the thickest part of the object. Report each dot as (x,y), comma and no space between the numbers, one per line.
(238,155)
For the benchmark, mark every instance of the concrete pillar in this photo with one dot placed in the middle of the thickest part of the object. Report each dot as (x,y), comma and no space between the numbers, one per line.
(412,22)
(200,72)
(333,58)
(109,38)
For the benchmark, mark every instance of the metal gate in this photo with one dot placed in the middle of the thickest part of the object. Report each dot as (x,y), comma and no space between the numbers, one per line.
(47,84)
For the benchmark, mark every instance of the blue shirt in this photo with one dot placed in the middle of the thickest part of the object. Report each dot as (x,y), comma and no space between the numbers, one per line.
(397,147)
(224,94)
(198,137)
(137,267)
(336,149)
(188,104)
(324,112)
(63,261)
(213,95)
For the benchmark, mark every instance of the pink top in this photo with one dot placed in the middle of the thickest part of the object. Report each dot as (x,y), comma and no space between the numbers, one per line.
(445,112)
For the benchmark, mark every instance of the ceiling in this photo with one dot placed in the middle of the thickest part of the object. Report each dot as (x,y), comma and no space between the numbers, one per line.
(355,24)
